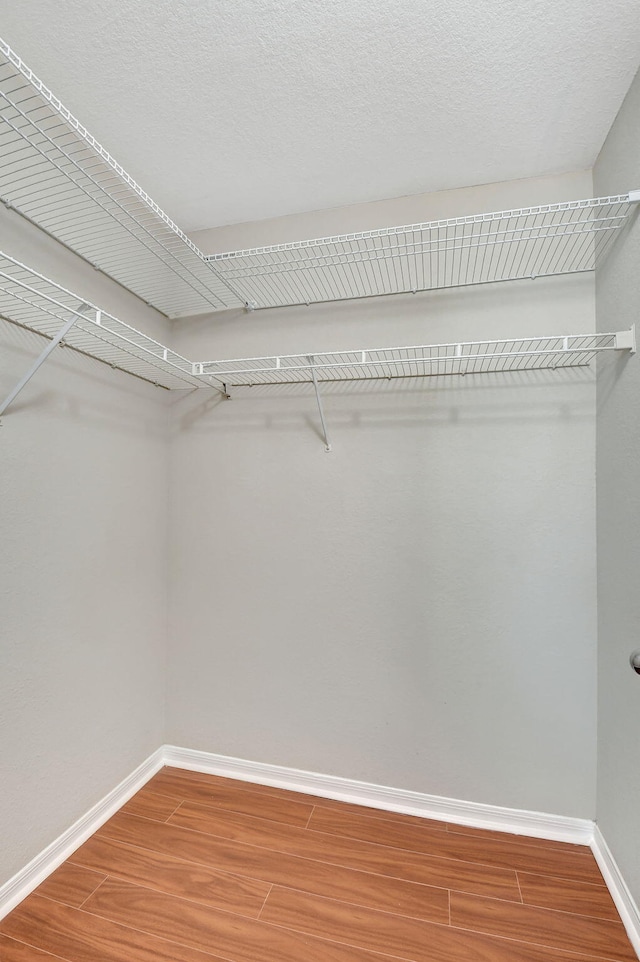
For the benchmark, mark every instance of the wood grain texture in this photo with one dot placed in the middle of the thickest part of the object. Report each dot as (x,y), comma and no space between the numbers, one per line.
(198,868)
(540,843)
(76,936)
(566,863)
(350,853)
(558,930)
(71,884)
(243,896)
(399,938)
(330,803)
(368,828)
(222,781)
(12,951)
(232,799)
(242,940)
(578,897)
(360,888)
(148,804)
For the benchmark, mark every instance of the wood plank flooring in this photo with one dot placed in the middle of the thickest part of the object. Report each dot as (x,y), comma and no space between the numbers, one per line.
(197,868)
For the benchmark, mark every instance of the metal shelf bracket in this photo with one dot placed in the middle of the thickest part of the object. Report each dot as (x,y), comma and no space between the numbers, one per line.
(51,346)
(327,445)
(626,340)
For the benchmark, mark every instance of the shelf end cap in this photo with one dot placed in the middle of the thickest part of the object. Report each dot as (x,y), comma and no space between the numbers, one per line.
(626,340)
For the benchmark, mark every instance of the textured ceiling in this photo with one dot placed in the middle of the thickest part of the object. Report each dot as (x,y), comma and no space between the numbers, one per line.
(237,110)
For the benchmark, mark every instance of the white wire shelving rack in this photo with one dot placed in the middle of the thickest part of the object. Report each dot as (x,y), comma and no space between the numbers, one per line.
(422,361)
(439,360)
(38,304)
(56,174)
(565,238)
(34,302)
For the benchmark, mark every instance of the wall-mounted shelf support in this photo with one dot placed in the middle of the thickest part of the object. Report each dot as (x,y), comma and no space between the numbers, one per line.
(508,357)
(626,340)
(51,346)
(34,302)
(327,445)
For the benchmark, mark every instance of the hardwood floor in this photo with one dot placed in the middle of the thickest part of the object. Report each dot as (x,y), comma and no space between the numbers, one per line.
(197,868)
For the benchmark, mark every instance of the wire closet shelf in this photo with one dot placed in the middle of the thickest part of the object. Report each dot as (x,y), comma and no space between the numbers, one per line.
(439,360)
(563,238)
(32,301)
(55,173)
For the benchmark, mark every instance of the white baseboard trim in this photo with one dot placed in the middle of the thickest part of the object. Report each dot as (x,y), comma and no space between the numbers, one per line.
(28,878)
(515,821)
(559,828)
(624,901)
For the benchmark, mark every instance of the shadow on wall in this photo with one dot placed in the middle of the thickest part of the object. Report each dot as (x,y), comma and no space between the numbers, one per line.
(389,321)
(88,391)
(516,397)
(73,386)
(610,369)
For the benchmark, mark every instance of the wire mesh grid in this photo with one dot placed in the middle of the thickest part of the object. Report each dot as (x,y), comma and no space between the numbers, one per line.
(36,303)
(508,245)
(471,357)
(33,301)
(55,173)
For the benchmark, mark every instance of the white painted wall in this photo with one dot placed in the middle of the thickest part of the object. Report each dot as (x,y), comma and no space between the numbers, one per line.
(411,209)
(416,608)
(618,476)
(83,506)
